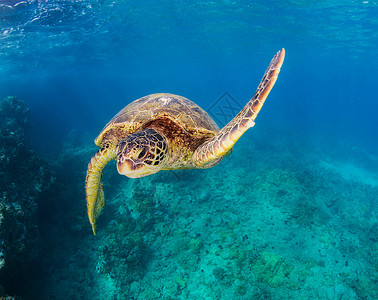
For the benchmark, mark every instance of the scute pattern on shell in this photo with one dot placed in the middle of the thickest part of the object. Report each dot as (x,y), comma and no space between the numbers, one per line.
(179,109)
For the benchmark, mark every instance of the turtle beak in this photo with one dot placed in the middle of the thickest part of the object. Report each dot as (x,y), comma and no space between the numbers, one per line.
(131,169)
(128,167)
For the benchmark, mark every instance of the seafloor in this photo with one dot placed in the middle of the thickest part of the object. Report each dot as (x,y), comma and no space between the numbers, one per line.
(284,217)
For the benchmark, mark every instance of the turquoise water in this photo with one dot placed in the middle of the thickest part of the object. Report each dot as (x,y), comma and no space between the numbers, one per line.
(290,214)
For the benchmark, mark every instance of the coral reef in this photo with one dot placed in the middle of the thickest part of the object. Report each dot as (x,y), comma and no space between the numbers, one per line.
(274,270)
(24,179)
(123,258)
(222,237)
(286,228)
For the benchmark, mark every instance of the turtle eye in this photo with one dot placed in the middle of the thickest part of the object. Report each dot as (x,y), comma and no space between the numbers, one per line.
(142,153)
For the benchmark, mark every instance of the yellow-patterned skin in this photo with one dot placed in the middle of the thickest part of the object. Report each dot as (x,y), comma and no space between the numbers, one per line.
(229,135)
(93,184)
(184,123)
(185,132)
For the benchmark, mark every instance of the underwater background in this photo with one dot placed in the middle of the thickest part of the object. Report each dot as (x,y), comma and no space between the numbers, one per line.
(290,214)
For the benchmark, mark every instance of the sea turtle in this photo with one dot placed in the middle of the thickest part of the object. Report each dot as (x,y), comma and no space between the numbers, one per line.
(168,132)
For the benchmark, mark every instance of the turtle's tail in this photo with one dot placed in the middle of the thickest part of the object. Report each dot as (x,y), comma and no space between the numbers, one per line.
(93,183)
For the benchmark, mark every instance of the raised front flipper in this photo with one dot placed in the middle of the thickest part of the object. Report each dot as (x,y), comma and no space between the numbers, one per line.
(93,184)
(221,143)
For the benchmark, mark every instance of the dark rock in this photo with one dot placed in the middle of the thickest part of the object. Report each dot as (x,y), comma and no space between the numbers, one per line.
(24,179)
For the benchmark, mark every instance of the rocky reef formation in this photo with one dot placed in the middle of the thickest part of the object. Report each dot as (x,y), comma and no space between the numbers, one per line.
(281,228)
(24,180)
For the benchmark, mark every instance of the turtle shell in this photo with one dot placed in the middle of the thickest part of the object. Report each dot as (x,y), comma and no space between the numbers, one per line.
(165,110)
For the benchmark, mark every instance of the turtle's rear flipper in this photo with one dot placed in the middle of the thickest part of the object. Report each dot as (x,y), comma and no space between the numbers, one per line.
(220,144)
(93,184)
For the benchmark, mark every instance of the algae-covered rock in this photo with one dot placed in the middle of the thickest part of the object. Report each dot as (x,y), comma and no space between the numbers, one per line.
(273,269)
(124,258)
(278,185)
(241,290)
(144,207)
(366,288)
(181,283)
(219,273)
(195,244)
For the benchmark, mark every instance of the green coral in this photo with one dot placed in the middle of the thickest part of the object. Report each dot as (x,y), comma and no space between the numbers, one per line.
(195,244)
(273,270)
(277,182)
(241,290)
(365,287)
(124,258)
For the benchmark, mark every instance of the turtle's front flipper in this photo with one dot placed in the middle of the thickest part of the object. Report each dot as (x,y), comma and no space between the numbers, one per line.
(93,184)
(220,144)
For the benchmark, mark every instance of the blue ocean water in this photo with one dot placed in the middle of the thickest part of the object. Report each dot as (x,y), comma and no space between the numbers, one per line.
(291,214)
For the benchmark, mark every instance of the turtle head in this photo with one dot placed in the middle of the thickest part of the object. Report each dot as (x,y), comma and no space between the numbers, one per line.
(141,153)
